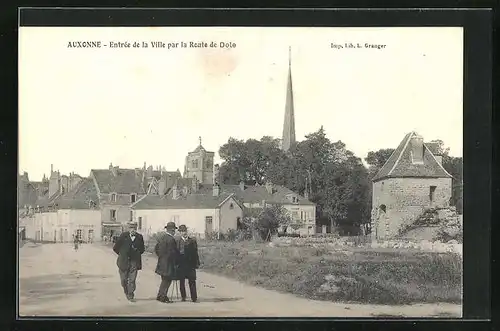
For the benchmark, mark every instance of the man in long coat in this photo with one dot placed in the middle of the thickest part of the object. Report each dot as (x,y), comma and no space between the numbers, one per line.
(189,261)
(167,252)
(129,247)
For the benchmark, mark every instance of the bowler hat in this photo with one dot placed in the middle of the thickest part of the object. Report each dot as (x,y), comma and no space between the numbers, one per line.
(182,227)
(170,225)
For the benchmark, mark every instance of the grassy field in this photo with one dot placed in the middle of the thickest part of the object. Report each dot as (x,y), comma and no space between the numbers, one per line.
(358,275)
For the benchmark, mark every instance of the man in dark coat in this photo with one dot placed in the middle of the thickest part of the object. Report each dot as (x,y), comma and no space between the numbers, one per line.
(129,247)
(167,252)
(189,261)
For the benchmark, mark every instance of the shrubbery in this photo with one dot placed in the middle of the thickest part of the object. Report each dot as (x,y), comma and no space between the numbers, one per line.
(382,277)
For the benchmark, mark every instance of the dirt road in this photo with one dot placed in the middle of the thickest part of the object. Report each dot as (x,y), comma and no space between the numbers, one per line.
(55,280)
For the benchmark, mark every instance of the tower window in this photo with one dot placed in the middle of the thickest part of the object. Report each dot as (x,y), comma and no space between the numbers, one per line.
(113,197)
(132,198)
(194,164)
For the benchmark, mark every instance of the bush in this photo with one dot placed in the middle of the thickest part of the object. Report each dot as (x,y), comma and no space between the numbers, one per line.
(382,277)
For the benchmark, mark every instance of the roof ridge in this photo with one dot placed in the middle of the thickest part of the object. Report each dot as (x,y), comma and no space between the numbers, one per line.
(410,135)
(439,163)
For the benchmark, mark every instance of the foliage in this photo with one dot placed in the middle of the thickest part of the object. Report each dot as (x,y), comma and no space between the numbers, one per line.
(266,222)
(376,160)
(249,160)
(330,174)
(366,276)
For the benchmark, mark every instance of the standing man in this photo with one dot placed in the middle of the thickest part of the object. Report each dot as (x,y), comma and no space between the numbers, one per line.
(189,261)
(167,252)
(129,247)
(75,241)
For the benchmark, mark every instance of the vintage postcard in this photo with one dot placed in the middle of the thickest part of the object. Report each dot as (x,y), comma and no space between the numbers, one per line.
(240,172)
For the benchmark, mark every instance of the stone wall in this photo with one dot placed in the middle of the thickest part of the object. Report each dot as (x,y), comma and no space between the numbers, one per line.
(404,200)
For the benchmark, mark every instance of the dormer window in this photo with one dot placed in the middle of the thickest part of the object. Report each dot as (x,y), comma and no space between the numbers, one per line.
(113,197)
(133,197)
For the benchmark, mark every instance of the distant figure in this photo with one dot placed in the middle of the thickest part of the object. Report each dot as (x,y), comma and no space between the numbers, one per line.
(75,242)
(129,247)
(189,261)
(167,252)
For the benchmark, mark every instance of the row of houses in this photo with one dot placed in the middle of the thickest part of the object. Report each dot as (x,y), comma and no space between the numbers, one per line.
(102,203)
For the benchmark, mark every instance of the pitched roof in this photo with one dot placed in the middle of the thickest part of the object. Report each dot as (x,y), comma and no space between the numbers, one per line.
(191,201)
(80,197)
(255,194)
(400,163)
(125,181)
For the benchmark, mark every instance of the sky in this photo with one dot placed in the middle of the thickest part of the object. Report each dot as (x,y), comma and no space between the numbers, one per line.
(84,108)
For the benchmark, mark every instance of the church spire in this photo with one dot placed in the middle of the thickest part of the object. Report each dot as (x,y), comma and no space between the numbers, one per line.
(288,138)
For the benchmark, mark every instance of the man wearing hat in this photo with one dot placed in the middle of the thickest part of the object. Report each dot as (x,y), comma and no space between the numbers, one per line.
(167,252)
(189,261)
(129,247)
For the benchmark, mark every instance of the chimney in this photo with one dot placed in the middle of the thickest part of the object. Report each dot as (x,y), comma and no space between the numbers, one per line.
(111,166)
(150,171)
(242,185)
(417,148)
(51,169)
(216,190)
(175,192)
(269,187)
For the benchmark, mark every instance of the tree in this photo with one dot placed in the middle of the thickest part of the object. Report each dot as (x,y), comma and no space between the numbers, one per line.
(266,222)
(248,160)
(376,160)
(334,178)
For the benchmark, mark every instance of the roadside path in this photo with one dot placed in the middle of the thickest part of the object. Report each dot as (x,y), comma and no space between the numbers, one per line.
(55,280)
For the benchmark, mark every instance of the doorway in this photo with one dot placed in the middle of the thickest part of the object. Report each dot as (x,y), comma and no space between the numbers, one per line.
(209,224)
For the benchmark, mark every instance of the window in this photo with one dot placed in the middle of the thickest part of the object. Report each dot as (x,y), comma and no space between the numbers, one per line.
(113,197)
(131,215)
(382,187)
(132,198)
(112,214)
(231,206)
(432,191)
(194,164)
(79,234)
(139,223)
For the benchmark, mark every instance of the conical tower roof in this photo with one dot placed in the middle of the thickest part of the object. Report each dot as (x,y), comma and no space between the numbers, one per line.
(288,138)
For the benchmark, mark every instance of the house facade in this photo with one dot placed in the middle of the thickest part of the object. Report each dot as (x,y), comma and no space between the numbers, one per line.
(118,189)
(412,180)
(74,213)
(61,225)
(202,212)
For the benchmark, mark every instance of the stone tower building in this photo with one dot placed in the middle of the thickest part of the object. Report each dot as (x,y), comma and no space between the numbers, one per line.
(412,180)
(199,164)
(288,139)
